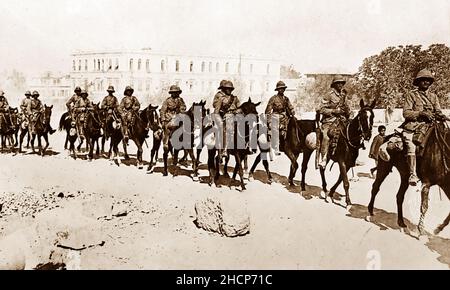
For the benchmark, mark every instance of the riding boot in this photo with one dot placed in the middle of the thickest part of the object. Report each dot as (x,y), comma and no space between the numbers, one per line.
(50,130)
(413,179)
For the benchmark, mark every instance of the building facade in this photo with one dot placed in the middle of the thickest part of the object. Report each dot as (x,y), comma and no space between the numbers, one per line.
(54,88)
(151,74)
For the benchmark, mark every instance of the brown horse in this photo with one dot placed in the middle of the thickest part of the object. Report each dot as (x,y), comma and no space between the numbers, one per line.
(138,132)
(42,129)
(350,140)
(150,116)
(92,130)
(432,169)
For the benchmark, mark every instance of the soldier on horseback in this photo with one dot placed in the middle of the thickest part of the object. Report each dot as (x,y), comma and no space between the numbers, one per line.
(23,109)
(334,110)
(172,106)
(420,109)
(128,109)
(71,103)
(225,105)
(82,105)
(4,110)
(110,104)
(280,107)
(34,108)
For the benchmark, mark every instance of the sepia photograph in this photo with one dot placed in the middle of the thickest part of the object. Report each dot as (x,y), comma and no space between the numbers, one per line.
(225,135)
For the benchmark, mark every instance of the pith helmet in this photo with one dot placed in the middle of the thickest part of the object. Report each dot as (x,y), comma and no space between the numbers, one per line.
(423,74)
(129,89)
(110,89)
(84,93)
(222,84)
(27,93)
(229,85)
(175,89)
(35,93)
(280,85)
(77,89)
(338,79)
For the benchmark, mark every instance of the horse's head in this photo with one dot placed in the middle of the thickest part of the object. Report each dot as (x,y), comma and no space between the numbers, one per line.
(152,118)
(365,117)
(47,113)
(248,107)
(14,113)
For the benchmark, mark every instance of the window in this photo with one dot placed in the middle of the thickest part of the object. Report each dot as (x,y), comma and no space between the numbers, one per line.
(98,64)
(191,67)
(139,64)
(95,62)
(163,65)
(147,65)
(79,65)
(110,64)
(117,63)
(103,65)
(85,65)
(210,66)
(203,66)
(227,67)
(217,67)
(131,64)
(268,69)
(74,66)
(251,68)
(177,65)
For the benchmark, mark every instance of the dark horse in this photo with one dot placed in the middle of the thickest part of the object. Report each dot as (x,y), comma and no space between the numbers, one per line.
(92,130)
(8,125)
(292,146)
(65,123)
(137,131)
(42,124)
(432,169)
(150,116)
(23,128)
(349,142)
(240,154)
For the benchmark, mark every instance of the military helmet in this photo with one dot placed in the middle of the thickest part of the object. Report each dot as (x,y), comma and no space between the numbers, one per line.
(338,79)
(77,89)
(27,93)
(229,85)
(128,89)
(110,89)
(423,74)
(84,93)
(222,84)
(175,89)
(35,93)
(280,85)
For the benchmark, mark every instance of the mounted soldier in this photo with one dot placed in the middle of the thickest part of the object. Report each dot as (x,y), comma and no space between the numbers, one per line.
(34,109)
(172,106)
(70,104)
(4,110)
(82,106)
(110,104)
(225,106)
(23,109)
(128,109)
(334,110)
(420,109)
(280,107)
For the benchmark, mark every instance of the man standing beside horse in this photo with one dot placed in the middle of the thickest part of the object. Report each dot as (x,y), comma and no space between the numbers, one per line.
(128,108)
(420,109)
(334,109)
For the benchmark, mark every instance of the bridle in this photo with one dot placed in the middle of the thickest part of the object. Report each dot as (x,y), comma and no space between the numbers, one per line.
(347,137)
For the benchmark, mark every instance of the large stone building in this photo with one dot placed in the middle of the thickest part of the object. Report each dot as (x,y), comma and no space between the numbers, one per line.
(151,73)
(54,88)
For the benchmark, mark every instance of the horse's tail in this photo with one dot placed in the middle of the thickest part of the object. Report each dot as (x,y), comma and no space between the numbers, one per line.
(62,121)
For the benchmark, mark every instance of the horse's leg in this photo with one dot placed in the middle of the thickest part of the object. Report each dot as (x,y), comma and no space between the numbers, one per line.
(293,168)
(46,144)
(28,139)
(39,143)
(21,137)
(125,151)
(33,137)
(246,163)
(324,181)
(423,207)
(383,170)
(343,174)
(98,147)
(199,152)
(66,141)
(225,166)
(255,163)
(81,144)
(139,155)
(165,156)
(194,161)
(306,157)
(239,166)
(400,197)
(175,157)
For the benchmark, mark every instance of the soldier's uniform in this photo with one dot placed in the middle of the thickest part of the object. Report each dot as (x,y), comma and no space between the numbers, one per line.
(333,108)
(4,108)
(82,105)
(33,109)
(70,104)
(129,106)
(226,106)
(110,104)
(420,108)
(172,106)
(220,93)
(280,107)
(23,109)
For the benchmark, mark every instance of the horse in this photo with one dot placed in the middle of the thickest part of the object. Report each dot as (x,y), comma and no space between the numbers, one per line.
(65,123)
(24,130)
(92,131)
(240,154)
(15,122)
(150,116)
(293,145)
(7,127)
(42,124)
(432,169)
(349,141)
(138,132)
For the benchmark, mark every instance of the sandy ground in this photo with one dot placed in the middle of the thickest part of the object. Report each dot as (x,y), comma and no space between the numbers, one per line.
(289,229)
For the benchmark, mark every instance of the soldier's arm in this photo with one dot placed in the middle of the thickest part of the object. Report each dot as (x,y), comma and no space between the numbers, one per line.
(290,107)
(29,108)
(217,106)
(325,107)
(182,106)
(103,105)
(269,107)
(136,105)
(70,101)
(408,112)
(163,110)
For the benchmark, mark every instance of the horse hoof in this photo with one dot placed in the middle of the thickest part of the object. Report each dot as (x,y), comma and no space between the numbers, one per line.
(348,207)
(165,174)
(368,218)
(323,195)
(269,181)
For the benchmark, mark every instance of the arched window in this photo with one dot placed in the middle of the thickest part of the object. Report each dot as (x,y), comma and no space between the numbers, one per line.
(131,64)
(177,65)
(117,65)
(147,65)
(85,64)
(98,64)
(163,65)
(139,64)
(95,62)
(110,64)
(227,67)
(203,66)
(103,65)
(191,66)
(79,65)
(217,67)
(210,66)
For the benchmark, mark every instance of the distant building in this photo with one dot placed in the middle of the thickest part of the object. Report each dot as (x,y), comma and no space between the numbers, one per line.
(54,88)
(151,73)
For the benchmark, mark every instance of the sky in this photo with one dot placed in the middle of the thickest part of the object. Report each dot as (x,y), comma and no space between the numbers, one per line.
(313,35)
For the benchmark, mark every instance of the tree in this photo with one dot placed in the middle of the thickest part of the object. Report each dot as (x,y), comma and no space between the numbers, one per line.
(288,72)
(388,75)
